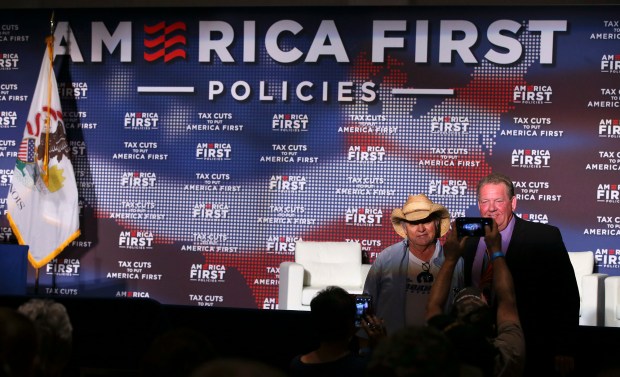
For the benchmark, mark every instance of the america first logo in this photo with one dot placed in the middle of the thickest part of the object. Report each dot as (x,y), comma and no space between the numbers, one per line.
(211,211)
(530,158)
(73,90)
(609,128)
(447,187)
(366,153)
(213,151)
(282,244)
(608,193)
(63,267)
(207,273)
(532,94)
(138,179)
(363,216)
(610,63)
(141,121)
(450,124)
(8,61)
(8,119)
(607,258)
(289,122)
(135,240)
(287,183)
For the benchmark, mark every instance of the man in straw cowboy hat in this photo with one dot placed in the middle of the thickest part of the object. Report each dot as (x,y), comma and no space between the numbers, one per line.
(400,279)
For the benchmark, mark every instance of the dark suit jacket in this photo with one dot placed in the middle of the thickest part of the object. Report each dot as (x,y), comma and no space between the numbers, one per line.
(545,286)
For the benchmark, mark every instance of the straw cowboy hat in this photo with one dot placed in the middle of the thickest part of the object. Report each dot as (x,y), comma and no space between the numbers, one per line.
(419,207)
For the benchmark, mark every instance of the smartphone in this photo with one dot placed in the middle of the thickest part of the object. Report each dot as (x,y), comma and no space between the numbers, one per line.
(472,226)
(362,306)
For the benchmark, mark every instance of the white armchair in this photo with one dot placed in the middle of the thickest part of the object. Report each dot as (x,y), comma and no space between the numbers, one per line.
(612,301)
(316,266)
(591,288)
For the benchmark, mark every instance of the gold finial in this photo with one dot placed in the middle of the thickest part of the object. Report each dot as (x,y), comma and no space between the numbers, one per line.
(52,24)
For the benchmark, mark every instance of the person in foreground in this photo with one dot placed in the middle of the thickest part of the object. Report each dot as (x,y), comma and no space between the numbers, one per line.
(401,277)
(332,312)
(495,350)
(415,351)
(544,280)
(19,344)
(55,334)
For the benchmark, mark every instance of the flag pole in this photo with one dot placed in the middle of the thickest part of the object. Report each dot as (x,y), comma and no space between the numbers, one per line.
(50,50)
(36,281)
(49,41)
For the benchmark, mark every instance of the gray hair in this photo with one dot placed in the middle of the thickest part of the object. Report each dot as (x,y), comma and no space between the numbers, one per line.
(48,313)
(55,333)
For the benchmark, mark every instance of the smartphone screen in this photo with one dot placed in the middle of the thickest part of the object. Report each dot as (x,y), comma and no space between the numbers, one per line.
(471,226)
(362,306)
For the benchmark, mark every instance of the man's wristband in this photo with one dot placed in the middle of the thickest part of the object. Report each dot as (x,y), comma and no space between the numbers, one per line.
(496,254)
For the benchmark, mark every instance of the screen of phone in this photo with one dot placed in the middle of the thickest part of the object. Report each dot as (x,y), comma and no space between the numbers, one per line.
(362,306)
(471,226)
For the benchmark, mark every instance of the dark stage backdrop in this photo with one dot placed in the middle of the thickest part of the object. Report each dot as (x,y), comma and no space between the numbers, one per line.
(206,141)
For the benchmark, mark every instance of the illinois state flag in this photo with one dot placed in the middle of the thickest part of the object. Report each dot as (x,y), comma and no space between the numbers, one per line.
(43,198)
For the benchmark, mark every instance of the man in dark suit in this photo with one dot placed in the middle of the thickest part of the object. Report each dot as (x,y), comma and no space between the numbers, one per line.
(546,290)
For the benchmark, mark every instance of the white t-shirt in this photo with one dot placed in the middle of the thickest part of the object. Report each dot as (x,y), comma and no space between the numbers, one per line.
(420,277)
